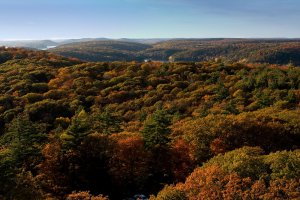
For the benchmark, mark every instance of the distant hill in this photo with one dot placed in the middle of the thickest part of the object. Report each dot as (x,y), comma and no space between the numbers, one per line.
(103,50)
(33,44)
(69,41)
(144,41)
(32,56)
(279,51)
(273,51)
(46,44)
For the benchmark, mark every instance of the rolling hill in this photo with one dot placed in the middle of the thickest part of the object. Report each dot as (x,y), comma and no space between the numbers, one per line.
(32,44)
(47,44)
(272,51)
(103,50)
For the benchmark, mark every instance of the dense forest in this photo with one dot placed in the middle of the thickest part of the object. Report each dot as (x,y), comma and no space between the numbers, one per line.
(77,130)
(271,51)
(46,44)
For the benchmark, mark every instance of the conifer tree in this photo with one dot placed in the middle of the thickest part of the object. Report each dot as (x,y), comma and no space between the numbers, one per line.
(156,129)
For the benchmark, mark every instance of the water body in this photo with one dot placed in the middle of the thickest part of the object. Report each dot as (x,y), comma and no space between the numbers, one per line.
(48,47)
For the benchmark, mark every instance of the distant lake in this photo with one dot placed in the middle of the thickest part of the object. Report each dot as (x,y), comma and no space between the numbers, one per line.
(48,47)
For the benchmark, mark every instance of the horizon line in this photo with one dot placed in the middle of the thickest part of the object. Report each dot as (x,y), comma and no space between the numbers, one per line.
(144,38)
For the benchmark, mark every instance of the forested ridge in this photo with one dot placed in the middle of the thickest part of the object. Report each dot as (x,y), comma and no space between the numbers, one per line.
(76,130)
(271,51)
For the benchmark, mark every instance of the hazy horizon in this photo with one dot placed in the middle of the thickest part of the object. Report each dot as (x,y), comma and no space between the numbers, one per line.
(147,38)
(37,20)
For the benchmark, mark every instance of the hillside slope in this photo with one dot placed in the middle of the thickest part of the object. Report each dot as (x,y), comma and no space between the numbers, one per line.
(270,51)
(102,50)
(247,50)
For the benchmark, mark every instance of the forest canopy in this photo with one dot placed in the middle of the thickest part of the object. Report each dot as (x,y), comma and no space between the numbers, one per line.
(71,129)
(271,51)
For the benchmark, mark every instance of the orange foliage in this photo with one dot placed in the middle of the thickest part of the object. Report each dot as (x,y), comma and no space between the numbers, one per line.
(213,183)
(63,79)
(84,195)
(50,170)
(218,146)
(182,160)
(128,163)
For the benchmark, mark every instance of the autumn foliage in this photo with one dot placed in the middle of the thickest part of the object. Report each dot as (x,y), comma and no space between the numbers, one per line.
(82,130)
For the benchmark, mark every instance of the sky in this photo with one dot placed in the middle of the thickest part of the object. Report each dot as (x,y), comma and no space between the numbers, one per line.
(61,19)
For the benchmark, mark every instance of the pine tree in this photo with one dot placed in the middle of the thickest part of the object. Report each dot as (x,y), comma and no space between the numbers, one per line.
(156,129)
(24,138)
(79,128)
(107,123)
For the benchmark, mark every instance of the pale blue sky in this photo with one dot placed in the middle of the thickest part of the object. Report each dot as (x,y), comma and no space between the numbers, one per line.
(44,19)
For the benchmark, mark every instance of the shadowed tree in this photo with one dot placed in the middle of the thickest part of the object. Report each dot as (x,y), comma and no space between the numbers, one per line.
(156,129)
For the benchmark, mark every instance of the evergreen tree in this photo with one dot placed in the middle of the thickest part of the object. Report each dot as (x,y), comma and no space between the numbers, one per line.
(156,129)
(107,123)
(222,92)
(79,128)
(20,149)
(24,138)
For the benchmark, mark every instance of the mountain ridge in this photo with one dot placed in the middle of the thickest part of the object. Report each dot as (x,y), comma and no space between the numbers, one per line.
(272,51)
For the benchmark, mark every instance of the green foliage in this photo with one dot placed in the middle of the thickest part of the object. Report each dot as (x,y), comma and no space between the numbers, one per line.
(222,92)
(33,97)
(271,129)
(47,110)
(291,97)
(284,164)
(250,162)
(247,162)
(106,122)
(20,148)
(24,138)
(8,169)
(169,192)
(70,126)
(156,129)
(79,128)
